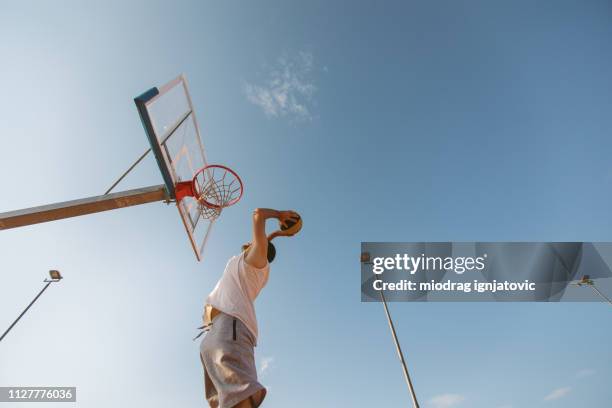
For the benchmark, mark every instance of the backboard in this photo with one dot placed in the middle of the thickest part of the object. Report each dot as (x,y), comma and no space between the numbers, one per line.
(171,126)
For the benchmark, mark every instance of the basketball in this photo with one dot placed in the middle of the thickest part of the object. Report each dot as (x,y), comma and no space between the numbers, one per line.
(292,227)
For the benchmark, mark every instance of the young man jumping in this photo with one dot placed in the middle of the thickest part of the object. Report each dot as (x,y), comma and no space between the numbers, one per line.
(227,350)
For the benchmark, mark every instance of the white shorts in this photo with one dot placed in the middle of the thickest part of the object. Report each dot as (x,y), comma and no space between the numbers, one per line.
(228,358)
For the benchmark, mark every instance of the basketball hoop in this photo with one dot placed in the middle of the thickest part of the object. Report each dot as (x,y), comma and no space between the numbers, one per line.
(214,187)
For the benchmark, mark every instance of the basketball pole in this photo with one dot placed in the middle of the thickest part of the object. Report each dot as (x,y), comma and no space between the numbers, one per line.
(415,403)
(83,206)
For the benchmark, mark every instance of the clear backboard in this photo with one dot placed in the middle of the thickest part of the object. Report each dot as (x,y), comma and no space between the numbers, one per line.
(170,124)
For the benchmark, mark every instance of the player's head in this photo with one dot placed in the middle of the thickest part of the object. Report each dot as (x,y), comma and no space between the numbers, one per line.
(271,250)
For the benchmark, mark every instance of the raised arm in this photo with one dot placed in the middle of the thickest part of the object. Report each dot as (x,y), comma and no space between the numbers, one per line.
(257,254)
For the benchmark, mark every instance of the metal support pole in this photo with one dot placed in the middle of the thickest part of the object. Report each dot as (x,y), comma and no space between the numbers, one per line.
(127,171)
(415,403)
(26,309)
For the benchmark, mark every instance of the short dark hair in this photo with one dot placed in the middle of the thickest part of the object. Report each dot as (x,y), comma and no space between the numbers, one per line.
(271,252)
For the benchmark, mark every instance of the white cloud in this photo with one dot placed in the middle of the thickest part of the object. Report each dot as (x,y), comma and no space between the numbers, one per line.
(446,400)
(586,372)
(558,393)
(289,88)
(265,365)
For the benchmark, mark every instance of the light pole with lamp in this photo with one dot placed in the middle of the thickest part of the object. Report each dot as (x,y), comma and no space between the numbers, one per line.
(55,276)
(587,281)
(365,259)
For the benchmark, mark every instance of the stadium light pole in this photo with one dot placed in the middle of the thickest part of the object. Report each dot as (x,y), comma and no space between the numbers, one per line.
(55,276)
(587,281)
(415,403)
(365,259)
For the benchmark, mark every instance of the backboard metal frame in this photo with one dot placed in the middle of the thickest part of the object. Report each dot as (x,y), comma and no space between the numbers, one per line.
(172,162)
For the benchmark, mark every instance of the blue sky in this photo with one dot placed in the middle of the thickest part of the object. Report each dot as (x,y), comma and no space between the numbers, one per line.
(408,121)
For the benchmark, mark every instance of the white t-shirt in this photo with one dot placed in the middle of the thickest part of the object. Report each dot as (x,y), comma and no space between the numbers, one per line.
(237,289)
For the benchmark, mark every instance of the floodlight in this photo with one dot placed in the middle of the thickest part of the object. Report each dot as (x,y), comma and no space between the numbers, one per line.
(55,274)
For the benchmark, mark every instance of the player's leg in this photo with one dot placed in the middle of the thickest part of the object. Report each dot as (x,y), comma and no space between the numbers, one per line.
(253,401)
(209,388)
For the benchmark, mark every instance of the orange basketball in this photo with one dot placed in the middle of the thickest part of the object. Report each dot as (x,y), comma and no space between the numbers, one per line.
(292,227)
